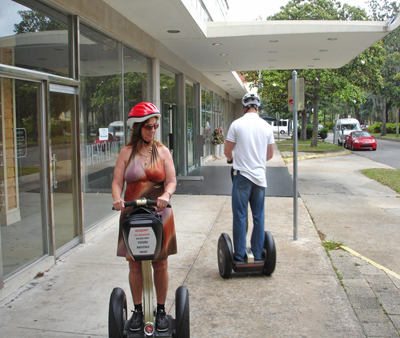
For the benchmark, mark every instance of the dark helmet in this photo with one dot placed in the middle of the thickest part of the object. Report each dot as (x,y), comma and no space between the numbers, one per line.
(251,99)
(142,112)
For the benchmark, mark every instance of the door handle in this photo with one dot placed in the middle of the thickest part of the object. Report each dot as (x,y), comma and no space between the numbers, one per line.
(54,163)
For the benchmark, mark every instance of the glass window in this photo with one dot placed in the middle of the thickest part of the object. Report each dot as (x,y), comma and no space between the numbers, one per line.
(23,239)
(167,86)
(169,109)
(136,74)
(34,38)
(101,111)
(206,118)
(189,94)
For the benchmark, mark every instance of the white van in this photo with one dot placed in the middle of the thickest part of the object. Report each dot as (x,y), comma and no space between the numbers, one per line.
(116,129)
(342,129)
(282,127)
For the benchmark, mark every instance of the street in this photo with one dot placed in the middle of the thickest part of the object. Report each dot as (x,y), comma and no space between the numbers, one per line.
(388,152)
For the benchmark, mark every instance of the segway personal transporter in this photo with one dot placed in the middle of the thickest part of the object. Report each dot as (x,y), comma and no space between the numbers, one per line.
(142,232)
(227,263)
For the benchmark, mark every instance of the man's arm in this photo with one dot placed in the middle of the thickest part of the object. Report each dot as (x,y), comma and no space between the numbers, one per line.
(229,146)
(270,151)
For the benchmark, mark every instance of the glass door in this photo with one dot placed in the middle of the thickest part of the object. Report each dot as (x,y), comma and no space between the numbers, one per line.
(23,230)
(62,111)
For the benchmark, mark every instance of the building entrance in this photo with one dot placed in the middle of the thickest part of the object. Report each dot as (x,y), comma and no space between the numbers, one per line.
(62,111)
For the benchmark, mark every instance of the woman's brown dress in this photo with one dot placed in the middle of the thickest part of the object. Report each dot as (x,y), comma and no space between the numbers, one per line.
(148,183)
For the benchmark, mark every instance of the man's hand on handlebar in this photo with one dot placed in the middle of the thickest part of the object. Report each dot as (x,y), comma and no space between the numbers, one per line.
(229,161)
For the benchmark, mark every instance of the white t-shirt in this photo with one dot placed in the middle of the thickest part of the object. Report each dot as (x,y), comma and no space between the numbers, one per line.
(251,135)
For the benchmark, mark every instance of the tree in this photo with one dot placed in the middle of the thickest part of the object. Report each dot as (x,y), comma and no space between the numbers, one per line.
(348,83)
(389,97)
(33,21)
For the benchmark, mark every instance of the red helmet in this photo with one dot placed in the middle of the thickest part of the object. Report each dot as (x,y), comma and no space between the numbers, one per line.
(142,112)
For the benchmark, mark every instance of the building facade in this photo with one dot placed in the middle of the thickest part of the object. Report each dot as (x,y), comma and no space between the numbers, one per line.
(70,71)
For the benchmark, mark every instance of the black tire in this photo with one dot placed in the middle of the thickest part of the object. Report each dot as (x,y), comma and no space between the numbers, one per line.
(225,256)
(182,313)
(345,144)
(270,254)
(352,146)
(282,132)
(117,313)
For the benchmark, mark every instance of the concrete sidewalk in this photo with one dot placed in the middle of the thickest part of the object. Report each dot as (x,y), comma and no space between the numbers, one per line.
(303,298)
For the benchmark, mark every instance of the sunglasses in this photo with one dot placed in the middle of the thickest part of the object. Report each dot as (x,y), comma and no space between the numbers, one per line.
(151,126)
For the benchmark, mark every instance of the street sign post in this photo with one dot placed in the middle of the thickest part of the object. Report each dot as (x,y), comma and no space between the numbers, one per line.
(293,88)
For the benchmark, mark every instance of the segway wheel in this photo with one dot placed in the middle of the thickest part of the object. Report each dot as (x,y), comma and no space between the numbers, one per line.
(117,313)
(270,254)
(225,253)
(182,317)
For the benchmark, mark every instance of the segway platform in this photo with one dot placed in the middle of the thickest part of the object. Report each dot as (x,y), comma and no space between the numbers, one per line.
(226,262)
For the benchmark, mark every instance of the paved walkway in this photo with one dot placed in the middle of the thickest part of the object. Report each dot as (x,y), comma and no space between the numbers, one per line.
(304,297)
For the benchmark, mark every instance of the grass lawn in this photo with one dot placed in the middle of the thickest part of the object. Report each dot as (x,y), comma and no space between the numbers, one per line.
(387,136)
(287,145)
(388,177)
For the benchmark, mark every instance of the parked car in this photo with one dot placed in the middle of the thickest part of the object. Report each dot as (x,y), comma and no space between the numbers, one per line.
(358,140)
(103,143)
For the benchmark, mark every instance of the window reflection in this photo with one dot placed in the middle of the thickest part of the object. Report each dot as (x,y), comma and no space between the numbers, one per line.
(35,39)
(106,99)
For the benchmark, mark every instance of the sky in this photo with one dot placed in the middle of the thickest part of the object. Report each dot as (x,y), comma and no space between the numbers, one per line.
(247,10)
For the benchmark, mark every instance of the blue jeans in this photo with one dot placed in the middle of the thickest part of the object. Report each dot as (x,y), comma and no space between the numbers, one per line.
(244,192)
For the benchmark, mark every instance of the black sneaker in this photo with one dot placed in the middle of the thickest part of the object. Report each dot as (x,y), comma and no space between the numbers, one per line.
(135,323)
(161,321)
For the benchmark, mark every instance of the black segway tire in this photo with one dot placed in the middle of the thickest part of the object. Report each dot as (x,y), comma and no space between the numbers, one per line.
(182,316)
(225,256)
(270,253)
(117,313)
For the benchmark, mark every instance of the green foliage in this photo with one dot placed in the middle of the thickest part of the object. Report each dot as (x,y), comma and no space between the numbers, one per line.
(329,125)
(323,133)
(331,245)
(309,131)
(33,21)
(376,128)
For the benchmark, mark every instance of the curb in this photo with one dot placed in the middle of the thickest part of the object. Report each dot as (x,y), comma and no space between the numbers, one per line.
(310,155)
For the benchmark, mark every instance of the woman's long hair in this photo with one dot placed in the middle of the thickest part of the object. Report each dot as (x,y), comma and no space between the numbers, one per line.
(137,143)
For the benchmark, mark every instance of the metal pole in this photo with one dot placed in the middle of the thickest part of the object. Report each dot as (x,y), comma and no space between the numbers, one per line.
(295,204)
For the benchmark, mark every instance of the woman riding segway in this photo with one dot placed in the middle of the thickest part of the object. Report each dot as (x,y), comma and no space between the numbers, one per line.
(147,168)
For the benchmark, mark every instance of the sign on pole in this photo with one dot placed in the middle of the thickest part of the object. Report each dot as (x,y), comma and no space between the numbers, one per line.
(300,96)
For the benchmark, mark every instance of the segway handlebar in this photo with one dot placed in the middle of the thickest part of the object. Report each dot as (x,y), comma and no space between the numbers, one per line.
(142,202)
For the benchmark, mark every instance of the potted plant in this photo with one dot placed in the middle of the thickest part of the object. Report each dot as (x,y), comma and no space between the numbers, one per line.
(218,138)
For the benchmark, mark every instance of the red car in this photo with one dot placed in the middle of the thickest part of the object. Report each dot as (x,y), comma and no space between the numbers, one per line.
(111,139)
(358,140)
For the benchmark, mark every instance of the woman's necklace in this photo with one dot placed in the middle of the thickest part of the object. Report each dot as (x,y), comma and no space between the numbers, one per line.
(147,156)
